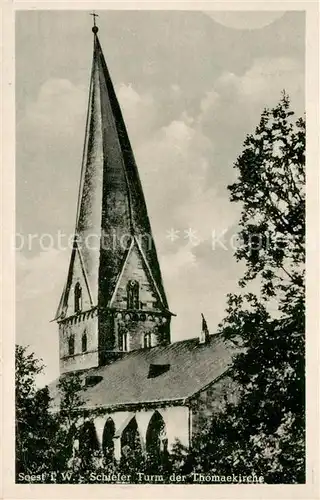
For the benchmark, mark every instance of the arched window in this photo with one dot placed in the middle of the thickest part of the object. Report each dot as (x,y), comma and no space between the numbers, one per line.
(131,450)
(107,440)
(71,345)
(88,442)
(77,298)
(84,342)
(133,295)
(156,440)
(124,341)
(147,340)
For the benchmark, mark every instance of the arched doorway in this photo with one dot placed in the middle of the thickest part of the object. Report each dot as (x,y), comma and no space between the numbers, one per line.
(107,440)
(156,440)
(131,449)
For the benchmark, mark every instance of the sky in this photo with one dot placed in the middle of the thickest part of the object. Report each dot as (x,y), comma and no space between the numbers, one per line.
(191,85)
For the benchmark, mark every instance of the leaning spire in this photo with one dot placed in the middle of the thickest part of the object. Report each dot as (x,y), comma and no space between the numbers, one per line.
(112,218)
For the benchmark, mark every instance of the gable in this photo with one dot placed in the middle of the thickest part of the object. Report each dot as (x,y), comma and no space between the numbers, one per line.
(135,268)
(77,279)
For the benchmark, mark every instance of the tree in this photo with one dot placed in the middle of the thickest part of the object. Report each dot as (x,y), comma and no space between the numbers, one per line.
(34,424)
(44,436)
(67,417)
(271,189)
(264,430)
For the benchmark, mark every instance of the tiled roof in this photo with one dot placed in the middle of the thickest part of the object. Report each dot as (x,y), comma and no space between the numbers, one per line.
(192,366)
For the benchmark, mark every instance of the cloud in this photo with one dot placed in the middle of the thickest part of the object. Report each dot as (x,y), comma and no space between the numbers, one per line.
(185,146)
(232,108)
(246,20)
(139,112)
(174,166)
(190,162)
(198,284)
(41,274)
(39,282)
(58,110)
(266,78)
(49,151)
(173,264)
(258,87)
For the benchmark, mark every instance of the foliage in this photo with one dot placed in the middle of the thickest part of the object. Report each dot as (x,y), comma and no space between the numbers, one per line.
(44,438)
(61,446)
(271,189)
(264,430)
(34,425)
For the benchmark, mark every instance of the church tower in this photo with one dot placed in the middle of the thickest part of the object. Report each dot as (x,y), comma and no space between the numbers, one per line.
(113,300)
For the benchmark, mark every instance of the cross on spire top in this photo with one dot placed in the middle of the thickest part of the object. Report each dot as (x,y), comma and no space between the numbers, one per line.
(95,27)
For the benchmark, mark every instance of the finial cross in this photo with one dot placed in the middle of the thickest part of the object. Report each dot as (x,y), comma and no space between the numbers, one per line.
(94,15)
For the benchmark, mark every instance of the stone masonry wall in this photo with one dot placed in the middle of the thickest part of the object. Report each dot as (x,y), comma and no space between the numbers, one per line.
(135,270)
(77,326)
(137,324)
(210,401)
(78,277)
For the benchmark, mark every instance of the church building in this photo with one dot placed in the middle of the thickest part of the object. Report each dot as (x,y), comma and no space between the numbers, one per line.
(113,317)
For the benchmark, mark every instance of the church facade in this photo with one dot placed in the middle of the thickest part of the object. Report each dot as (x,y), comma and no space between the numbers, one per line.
(139,388)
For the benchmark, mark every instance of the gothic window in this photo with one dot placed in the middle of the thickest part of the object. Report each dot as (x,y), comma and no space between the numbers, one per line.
(88,442)
(77,298)
(131,450)
(124,341)
(156,440)
(71,345)
(133,295)
(147,340)
(107,440)
(84,342)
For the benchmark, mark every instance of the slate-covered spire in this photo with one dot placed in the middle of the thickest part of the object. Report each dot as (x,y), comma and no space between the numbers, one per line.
(112,218)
